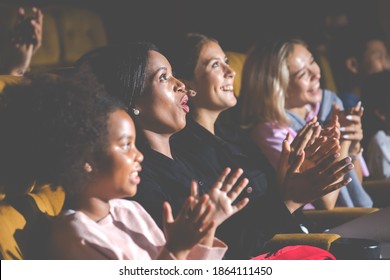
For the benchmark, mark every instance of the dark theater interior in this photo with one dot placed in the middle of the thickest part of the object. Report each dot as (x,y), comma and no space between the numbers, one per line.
(332,36)
(236,24)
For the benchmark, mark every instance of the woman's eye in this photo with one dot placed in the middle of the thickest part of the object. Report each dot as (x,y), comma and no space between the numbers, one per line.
(163,77)
(301,75)
(215,64)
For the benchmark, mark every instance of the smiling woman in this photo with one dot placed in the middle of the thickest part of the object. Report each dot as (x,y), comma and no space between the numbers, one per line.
(281,93)
(304,83)
(201,63)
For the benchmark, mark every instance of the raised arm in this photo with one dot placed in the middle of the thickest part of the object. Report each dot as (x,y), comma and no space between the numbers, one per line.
(24,43)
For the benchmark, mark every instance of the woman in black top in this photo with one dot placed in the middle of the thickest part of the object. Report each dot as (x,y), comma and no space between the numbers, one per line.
(142,77)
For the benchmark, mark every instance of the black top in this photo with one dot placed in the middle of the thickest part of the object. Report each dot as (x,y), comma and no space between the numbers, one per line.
(202,156)
(164,179)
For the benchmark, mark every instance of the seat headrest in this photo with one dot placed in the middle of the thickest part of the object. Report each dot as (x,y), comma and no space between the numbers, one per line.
(236,62)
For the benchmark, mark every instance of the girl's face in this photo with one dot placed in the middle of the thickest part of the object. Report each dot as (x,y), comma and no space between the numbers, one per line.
(119,176)
(304,84)
(163,105)
(213,79)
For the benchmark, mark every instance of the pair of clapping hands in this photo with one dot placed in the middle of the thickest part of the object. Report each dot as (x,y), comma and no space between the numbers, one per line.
(200,216)
(310,167)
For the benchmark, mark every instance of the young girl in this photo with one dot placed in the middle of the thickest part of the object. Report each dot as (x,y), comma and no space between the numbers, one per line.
(86,143)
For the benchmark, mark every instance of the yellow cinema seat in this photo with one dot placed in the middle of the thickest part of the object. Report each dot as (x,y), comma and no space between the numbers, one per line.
(25,222)
(236,62)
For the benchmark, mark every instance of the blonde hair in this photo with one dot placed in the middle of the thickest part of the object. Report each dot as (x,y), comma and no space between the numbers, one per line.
(264,83)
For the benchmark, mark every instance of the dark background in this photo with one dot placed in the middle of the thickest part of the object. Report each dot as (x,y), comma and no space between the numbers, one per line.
(235,23)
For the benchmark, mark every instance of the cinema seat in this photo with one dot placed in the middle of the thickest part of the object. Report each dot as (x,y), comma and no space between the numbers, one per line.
(25,222)
(236,62)
(9,80)
(320,240)
(327,219)
(379,191)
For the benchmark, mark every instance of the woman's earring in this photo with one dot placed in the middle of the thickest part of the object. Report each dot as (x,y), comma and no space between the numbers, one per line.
(135,111)
(87,167)
(191,92)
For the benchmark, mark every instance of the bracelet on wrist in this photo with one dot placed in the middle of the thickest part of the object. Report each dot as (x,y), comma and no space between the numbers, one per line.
(355,156)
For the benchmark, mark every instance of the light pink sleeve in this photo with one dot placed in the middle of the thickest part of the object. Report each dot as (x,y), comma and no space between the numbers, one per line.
(65,244)
(269,139)
(363,166)
(216,252)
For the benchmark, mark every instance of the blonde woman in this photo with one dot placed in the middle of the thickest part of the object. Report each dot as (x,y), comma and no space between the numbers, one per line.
(280,93)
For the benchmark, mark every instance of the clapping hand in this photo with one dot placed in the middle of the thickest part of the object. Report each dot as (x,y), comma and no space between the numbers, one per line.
(305,138)
(191,225)
(199,216)
(299,188)
(223,194)
(350,122)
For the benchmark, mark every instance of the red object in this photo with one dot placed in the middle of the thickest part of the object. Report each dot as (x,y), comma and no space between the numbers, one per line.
(300,252)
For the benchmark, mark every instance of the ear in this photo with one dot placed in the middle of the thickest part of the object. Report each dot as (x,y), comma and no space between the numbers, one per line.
(87,167)
(352,65)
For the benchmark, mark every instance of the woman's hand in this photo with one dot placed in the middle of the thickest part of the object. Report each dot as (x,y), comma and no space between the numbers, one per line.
(325,144)
(315,142)
(223,194)
(305,138)
(351,123)
(191,225)
(299,188)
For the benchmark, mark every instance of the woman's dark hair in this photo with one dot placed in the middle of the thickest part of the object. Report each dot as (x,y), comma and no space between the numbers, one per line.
(120,68)
(185,54)
(53,127)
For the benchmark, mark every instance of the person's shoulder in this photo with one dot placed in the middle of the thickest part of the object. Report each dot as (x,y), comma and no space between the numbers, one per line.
(121,203)
(131,213)
(380,135)
(378,141)
(231,132)
(123,209)
(70,224)
(328,94)
(328,99)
